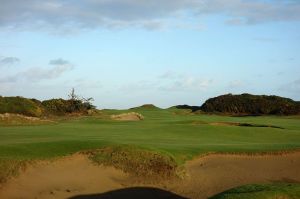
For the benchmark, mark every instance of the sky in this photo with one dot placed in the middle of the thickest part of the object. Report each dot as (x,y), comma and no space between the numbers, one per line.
(125,53)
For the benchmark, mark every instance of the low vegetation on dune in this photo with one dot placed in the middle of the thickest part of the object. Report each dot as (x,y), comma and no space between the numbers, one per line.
(10,168)
(20,105)
(36,108)
(262,191)
(146,106)
(247,104)
(138,162)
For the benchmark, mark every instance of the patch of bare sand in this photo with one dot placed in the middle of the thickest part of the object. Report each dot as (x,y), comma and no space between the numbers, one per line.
(18,119)
(207,176)
(216,173)
(128,117)
(63,178)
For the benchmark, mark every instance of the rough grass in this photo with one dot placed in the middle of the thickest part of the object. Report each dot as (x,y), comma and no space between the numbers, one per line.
(136,161)
(262,191)
(10,168)
(20,105)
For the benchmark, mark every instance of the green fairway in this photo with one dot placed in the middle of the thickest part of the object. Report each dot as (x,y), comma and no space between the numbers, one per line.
(169,131)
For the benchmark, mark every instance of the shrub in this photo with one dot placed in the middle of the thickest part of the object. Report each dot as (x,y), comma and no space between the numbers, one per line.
(252,104)
(61,106)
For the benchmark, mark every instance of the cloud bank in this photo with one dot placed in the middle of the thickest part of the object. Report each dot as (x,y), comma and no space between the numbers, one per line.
(172,82)
(91,14)
(40,73)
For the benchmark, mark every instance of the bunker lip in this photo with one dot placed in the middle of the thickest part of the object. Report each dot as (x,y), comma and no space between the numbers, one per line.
(8,119)
(244,125)
(206,176)
(150,165)
(132,116)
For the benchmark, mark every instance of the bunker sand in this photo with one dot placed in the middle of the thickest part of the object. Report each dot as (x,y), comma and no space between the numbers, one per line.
(206,176)
(213,174)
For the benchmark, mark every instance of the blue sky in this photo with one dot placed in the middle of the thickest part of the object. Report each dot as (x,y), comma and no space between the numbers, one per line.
(126,53)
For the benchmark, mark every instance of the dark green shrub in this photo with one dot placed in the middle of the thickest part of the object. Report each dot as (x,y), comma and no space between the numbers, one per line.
(251,104)
(61,106)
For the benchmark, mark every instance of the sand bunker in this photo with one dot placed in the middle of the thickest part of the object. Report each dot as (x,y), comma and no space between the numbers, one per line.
(15,119)
(128,117)
(77,177)
(63,178)
(216,173)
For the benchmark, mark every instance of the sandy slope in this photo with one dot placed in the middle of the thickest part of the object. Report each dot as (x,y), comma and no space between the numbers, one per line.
(216,173)
(62,179)
(76,175)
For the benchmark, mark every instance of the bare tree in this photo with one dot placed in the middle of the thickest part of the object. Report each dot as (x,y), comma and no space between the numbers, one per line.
(72,95)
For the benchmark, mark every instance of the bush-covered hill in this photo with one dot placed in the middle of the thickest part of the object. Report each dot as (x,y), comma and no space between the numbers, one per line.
(36,108)
(20,105)
(247,104)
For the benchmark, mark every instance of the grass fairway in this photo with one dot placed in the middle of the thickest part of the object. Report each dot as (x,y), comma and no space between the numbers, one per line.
(168,131)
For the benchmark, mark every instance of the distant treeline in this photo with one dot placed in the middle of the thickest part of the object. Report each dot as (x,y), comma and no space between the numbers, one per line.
(247,104)
(36,108)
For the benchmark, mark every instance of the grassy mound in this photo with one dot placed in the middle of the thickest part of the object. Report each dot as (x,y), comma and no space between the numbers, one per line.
(20,105)
(264,191)
(147,106)
(136,161)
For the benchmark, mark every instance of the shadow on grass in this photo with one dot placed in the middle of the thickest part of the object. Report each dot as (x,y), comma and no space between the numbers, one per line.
(132,193)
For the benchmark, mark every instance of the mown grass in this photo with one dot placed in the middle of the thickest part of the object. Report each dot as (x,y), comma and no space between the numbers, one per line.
(179,135)
(173,132)
(262,191)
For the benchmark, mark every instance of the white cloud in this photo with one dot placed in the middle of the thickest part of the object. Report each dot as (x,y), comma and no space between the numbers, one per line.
(40,73)
(89,14)
(253,11)
(172,82)
(187,83)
